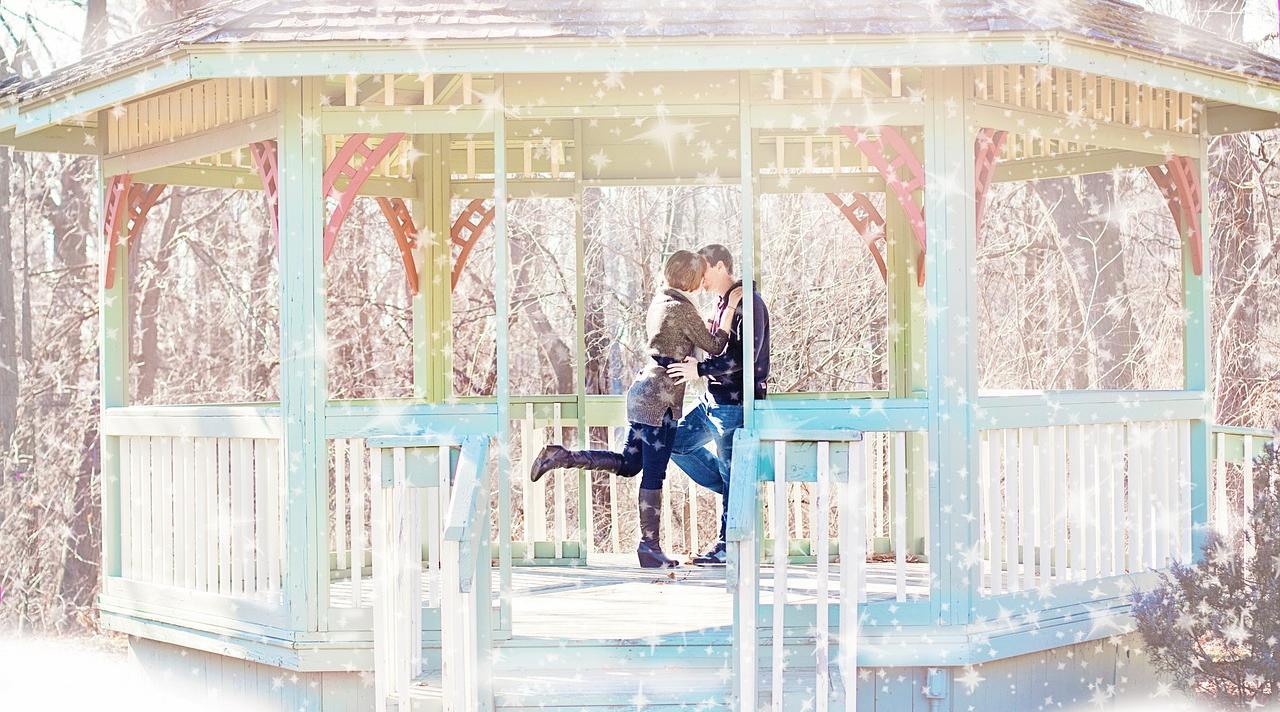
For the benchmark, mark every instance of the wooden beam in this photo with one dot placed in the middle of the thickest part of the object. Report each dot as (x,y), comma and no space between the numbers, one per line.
(822,115)
(516,188)
(636,55)
(1072,164)
(345,120)
(1086,132)
(62,138)
(821,183)
(223,138)
(1228,118)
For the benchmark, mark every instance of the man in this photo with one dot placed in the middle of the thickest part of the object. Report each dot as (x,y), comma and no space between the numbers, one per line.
(719,414)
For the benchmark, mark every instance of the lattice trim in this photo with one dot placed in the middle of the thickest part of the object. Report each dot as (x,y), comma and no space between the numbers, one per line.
(266,160)
(342,165)
(1180,186)
(406,235)
(867,222)
(466,231)
(128,204)
(986,153)
(903,176)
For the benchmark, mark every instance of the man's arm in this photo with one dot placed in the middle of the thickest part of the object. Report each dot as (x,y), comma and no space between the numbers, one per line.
(727,362)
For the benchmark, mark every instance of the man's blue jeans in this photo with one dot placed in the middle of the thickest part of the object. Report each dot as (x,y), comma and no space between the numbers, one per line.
(709,422)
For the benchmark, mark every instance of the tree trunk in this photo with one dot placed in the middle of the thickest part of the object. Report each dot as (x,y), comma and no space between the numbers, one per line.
(149,358)
(1080,209)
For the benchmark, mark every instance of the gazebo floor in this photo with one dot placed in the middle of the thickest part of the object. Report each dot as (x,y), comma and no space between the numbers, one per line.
(614,600)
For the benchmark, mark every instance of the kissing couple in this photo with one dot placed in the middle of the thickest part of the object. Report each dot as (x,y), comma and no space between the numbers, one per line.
(659,431)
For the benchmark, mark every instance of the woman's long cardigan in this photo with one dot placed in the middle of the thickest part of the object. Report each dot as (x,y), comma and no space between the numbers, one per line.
(675,330)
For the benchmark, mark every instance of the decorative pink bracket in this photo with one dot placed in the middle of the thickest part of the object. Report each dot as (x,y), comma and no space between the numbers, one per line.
(466,231)
(903,175)
(341,166)
(986,152)
(127,206)
(1180,187)
(402,227)
(867,222)
(265,159)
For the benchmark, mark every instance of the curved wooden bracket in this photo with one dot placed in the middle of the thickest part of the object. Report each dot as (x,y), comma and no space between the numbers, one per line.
(867,222)
(1180,187)
(466,231)
(343,165)
(126,212)
(406,234)
(903,174)
(986,152)
(265,159)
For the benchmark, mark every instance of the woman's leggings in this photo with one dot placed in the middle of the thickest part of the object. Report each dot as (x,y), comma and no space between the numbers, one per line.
(648,450)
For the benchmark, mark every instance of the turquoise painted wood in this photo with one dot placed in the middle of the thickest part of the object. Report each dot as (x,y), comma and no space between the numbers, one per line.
(113,355)
(1196,358)
(952,334)
(747,251)
(303,385)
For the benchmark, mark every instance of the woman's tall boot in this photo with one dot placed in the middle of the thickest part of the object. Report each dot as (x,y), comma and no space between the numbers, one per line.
(554,457)
(650,550)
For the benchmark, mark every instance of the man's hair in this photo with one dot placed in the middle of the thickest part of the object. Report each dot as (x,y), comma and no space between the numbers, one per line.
(715,252)
(684,270)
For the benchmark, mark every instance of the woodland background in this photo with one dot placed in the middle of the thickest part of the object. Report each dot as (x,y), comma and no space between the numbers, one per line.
(1079,288)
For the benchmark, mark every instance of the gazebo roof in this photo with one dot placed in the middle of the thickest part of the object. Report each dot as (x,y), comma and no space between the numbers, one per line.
(229,24)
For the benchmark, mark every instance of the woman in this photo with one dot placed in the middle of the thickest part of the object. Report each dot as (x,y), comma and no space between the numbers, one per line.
(654,401)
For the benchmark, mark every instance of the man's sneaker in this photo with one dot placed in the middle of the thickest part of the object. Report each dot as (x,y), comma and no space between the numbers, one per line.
(717,556)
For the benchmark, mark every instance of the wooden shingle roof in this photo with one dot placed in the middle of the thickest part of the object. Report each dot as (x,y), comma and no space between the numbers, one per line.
(251,22)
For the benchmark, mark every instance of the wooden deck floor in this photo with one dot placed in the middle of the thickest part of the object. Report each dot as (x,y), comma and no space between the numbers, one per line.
(614,599)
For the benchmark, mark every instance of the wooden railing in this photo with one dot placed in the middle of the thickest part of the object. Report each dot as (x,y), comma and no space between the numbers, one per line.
(452,471)
(201,496)
(1079,502)
(767,468)
(1234,452)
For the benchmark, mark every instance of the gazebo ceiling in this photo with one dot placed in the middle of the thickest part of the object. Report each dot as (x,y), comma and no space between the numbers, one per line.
(233,24)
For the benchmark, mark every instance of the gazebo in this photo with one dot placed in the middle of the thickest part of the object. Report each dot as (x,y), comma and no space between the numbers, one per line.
(290,552)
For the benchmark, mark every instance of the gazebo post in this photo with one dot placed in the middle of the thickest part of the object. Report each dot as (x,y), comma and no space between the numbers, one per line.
(951,320)
(586,507)
(432,324)
(502,329)
(303,374)
(113,350)
(905,357)
(1197,357)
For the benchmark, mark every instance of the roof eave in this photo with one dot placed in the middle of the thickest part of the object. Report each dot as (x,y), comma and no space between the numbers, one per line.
(42,112)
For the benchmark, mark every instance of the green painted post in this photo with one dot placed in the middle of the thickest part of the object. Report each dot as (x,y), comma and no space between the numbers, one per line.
(502,327)
(748,208)
(113,354)
(423,378)
(303,376)
(586,507)
(1196,360)
(441,351)
(905,360)
(951,323)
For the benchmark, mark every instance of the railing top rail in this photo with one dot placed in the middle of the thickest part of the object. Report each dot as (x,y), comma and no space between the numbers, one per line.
(410,441)
(809,435)
(1245,431)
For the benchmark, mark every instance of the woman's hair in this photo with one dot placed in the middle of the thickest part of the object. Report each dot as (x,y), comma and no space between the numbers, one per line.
(684,270)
